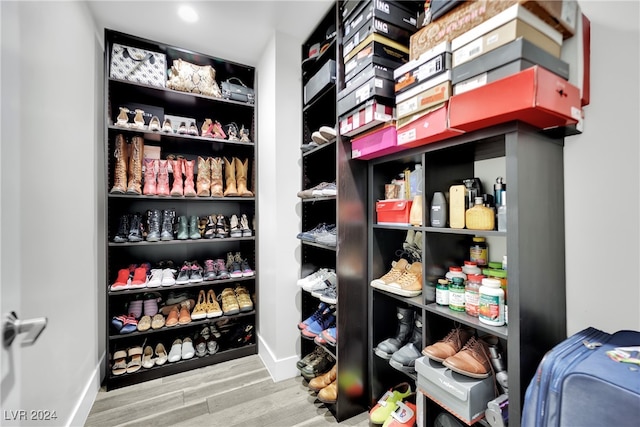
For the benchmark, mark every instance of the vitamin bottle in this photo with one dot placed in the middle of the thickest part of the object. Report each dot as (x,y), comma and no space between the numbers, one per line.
(471,267)
(491,304)
(455,271)
(472,294)
(479,252)
(442,292)
(456,294)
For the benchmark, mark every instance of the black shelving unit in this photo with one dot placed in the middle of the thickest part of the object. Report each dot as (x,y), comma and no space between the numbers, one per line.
(120,255)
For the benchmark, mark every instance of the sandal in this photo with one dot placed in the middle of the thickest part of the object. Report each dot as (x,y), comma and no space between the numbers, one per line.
(172,318)
(119,363)
(157,321)
(135,353)
(200,310)
(154,124)
(161,354)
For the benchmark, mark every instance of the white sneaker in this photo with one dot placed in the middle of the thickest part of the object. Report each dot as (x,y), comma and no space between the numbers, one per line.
(156,278)
(311,277)
(321,282)
(327,132)
(168,278)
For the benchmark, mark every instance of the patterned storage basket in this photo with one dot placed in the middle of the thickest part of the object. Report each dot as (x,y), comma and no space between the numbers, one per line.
(138,65)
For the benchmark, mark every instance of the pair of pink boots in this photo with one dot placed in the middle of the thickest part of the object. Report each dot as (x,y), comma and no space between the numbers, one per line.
(156,177)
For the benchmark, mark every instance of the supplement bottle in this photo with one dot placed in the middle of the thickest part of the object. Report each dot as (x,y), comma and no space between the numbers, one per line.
(491,302)
(470,267)
(455,272)
(479,252)
(472,294)
(456,294)
(442,292)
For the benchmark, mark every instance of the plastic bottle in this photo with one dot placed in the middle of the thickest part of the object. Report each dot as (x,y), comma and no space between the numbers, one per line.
(491,304)
(471,267)
(456,294)
(442,292)
(415,180)
(472,294)
(480,217)
(498,274)
(479,251)
(502,213)
(439,215)
(455,272)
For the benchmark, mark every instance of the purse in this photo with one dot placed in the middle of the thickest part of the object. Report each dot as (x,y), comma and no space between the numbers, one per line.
(187,77)
(137,65)
(237,92)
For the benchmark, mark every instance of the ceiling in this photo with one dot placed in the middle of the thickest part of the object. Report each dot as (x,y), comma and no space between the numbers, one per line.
(236,30)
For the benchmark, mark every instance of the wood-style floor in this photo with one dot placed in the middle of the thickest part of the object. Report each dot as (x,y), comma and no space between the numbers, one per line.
(234,393)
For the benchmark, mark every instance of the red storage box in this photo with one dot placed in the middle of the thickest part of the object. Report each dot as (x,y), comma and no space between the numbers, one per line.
(375,143)
(430,127)
(393,211)
(535,96)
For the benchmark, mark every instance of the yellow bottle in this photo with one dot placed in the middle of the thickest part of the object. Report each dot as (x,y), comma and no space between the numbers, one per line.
(480,217)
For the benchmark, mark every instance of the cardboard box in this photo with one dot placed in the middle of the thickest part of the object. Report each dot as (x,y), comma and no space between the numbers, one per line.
(412,74)
(392,12)
(501,36)
(376,143)
(151,152)
(491,76)
(367,116)
(370,71)
(393,212)
(390,49)
(535,96)
(469,15)
(464,397)
(324,77)
(434,81)
(438,8)
(562,15)
(374,53)
(425,128)
(519,49)
(375,25)
(430,97)
(375,87)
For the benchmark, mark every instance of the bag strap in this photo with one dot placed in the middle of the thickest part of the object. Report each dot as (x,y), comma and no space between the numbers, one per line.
(237,79)
(148,57)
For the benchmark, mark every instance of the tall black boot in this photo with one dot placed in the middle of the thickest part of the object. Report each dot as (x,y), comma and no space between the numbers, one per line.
(386,348)
(405,358)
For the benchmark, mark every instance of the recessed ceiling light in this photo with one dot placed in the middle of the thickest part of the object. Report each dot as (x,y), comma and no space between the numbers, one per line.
(187,13)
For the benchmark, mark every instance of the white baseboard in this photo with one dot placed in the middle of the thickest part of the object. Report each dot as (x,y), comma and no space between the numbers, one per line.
(279,369)
(83,407)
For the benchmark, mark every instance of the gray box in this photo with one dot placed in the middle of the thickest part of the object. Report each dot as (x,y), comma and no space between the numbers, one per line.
(491,76)
(463,396)
(520,48)
(323,78)
(375,87)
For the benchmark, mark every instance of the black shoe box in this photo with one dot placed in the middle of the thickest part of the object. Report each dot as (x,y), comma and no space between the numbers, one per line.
(375,87)
(429,65)
(371,70)
(390,12)
(375,25)
(324,77)
(376,53)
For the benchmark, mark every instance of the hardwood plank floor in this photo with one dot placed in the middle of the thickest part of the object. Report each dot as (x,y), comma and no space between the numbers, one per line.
(234,393)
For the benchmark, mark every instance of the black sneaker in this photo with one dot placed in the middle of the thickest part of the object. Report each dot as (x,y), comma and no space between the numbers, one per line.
(318,366)
(317,352)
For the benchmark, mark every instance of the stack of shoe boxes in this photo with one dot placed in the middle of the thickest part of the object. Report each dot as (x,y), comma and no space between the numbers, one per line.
(375,42)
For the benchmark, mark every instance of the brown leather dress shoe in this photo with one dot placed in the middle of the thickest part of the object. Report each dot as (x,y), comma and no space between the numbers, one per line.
(329,394)
(448,346)
(473,360)
(320,382)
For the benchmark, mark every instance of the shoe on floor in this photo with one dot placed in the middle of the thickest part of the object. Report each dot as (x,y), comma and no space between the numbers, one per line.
(405,413)
(322,381)
(388,403)
(329,394)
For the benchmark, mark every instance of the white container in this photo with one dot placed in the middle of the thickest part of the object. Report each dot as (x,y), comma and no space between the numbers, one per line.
(455,272)
(471,267)
(491,302)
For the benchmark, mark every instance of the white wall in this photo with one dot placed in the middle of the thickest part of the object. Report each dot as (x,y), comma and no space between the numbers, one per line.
(278,146)
(602,181)
(49,164)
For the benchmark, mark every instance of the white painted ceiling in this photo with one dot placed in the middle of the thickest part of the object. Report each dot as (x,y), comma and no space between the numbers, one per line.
(235,30)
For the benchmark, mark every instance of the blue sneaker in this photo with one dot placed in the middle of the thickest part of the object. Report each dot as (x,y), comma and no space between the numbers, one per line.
(330,335)
(327,320)
(310,235)
(315,316)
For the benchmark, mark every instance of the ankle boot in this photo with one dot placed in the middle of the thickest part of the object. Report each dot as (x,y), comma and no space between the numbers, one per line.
(135,228)
(177,169)
(153,223)
(183,228)
(163,178)
(135,166)
(244,226)
(189,186)
(202,224)
(150,177)
(405,358)
(230,178)
(403,332)
(168,219)
(207,128)
(194,231)
(222,227)
(123,229)
(210,228)
(121,153)
(216,177)
(204,177)
(242,168)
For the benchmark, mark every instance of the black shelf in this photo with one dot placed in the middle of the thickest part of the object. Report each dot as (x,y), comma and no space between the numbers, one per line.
(319,98)
(318,199)
(417,301)
(319,148)
(499,331)
(222,282)
(158,135)
(180,242)
(180,198)
(319,245)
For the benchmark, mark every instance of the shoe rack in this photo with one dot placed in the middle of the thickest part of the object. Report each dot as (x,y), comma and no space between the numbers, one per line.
(329,162)
(533,243)
(191,146)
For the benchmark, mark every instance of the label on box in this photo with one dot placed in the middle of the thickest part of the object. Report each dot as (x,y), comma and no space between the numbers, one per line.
(429,97)
(408,136)
(470,84)
(469,51)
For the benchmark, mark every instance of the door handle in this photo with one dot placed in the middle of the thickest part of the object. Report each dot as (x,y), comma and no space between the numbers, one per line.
(12,327)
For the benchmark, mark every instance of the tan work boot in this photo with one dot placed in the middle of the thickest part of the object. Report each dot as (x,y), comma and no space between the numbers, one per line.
(121,153)
(135,165)
(230,178)
(204,177)
(242,168)
(216,177)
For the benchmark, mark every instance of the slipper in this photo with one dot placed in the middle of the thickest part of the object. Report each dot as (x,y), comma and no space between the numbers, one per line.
(144,324)
(167,308)
(157,321)
(327,132)
(130,324)
(185,316)
(175,354)
(187,349)
(318,138)
(120,364)
(172,318)
(135,353)
(161,354)
(147,358)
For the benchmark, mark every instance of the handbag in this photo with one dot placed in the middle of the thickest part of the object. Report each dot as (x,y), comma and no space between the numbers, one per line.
(237,92)
(137,65)
(187,77)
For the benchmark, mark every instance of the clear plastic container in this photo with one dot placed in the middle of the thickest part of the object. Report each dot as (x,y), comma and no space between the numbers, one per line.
(472,294)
